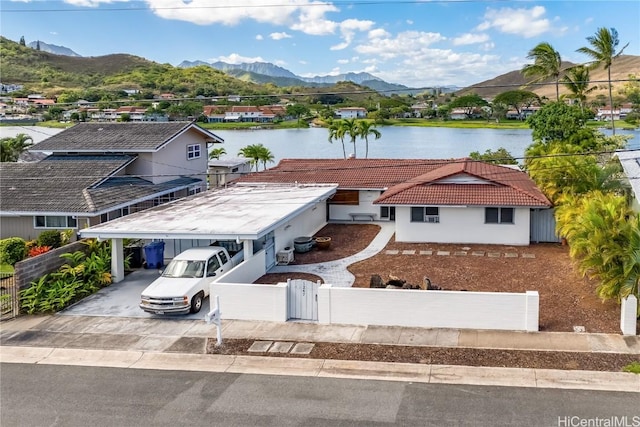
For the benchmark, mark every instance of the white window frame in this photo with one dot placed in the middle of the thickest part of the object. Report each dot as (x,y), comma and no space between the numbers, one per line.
(427,218)
(68,220)
(194,151)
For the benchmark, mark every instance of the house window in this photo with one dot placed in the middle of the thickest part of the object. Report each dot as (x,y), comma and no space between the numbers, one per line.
(194,190)
(425,214)
(498,215)
(114,214)
(384,211)
(345,197)
(234,170)
(42,221)
(193,151)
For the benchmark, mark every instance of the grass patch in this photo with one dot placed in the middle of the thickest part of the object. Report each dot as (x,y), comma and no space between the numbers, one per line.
(633,367)
(6,269)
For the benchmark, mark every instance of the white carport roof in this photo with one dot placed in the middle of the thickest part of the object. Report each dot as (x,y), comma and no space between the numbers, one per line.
(243,211)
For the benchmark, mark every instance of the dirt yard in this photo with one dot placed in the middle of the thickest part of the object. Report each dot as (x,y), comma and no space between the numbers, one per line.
(566,299)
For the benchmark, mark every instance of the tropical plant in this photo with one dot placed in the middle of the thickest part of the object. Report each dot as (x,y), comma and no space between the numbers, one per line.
(12,250)
(469,103)
(216,153)
(556,121)
(603,51)
(336,131)
(350,128)
(51,238)
(265,155)
(547,63)
(577,82)
(11,148)
(258,153)
(366,128)
(38,250)
(517,99)
(500,157)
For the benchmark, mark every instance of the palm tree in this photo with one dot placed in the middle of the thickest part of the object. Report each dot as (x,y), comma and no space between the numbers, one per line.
(350,127)
(265,155)
(216,153)
(366,128)
(11,148)
(547,63)
(336,132)
(577,81)
(251,152)
(603,52)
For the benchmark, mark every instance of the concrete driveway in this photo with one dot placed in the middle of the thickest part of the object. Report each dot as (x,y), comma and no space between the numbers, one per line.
(122,299)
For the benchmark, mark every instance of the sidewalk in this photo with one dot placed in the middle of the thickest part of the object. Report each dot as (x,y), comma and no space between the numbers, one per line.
(181,345)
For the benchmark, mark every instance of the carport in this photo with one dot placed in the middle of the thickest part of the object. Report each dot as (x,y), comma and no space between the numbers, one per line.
(260,217)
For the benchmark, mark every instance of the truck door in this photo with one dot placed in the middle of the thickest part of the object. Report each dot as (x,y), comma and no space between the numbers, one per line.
(223,260)
(213,266)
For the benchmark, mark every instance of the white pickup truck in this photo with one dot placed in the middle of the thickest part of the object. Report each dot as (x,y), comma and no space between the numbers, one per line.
(184,283)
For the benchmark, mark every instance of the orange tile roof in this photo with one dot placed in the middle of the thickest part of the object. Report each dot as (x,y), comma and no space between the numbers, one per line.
(414,181)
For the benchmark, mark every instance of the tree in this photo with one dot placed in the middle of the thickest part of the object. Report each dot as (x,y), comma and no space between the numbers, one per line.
(335,133)
(556,121)
(216,153)
(22,42)
(258,153)
(469,103)
(38,45)
(265,156)
(603,52)
(547,63)
(297,110)
(350,128)
(577,81)
(517,99)
(366,128)
(11,148)
(499,157)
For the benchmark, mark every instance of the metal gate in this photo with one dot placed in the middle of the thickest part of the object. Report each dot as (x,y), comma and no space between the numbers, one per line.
(9,297)
(543,226)
(303,299)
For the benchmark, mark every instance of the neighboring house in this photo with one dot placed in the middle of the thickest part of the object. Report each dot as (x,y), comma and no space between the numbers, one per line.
(619,113)
(440,201)
(224,171)
(96,172)
(243,113)
(524,113)
(630,161)
(351,112)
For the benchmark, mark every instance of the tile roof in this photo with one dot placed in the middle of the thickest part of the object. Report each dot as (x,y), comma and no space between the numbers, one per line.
(74,184)
(415,181)
(118,137)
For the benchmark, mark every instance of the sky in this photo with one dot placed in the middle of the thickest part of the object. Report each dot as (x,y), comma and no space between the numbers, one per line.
(419,43)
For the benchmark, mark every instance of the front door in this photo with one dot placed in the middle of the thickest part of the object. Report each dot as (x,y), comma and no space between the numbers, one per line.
(303,300)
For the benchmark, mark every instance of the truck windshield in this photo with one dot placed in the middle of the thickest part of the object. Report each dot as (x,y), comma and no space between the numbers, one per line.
(184,268)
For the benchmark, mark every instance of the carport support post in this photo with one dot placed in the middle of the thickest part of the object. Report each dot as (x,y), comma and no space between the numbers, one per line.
(117,260)
(247,247)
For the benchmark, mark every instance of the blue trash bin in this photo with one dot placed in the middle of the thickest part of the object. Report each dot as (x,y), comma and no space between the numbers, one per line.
(154,254)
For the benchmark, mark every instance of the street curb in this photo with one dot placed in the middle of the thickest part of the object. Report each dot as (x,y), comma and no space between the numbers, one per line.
(403,372)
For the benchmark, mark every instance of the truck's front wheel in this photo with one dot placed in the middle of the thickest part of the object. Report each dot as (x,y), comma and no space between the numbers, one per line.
(196,302)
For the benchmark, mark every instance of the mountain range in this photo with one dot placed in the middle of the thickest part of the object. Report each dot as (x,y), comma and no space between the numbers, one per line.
(52,48)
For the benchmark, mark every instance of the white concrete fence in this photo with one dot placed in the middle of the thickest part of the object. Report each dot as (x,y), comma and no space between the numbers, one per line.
(413,308)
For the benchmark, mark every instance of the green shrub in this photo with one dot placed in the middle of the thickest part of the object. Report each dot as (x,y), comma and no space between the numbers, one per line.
(51,238)
(633,367)
(12,250)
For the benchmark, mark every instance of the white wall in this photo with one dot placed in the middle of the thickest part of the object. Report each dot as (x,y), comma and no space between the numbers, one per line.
(366,197)
(307,223)
(463,225)
(252,302)
(629,315)
(248,271)
(428,309)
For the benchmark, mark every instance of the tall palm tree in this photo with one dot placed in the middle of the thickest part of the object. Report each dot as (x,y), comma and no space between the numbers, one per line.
(366,128)
(251,152)
(577,81)
(603,52)
(335,133)
(265,156)
(11,148)
(216,153)
(350,127)
(547,63)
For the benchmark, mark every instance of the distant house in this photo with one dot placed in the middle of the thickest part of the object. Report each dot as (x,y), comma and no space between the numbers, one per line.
(619,113)
(224,171)
(351,112)
(243,113)
(524,113)
(96,172)
(441,201)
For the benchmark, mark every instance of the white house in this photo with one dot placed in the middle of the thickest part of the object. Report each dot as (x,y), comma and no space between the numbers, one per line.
(224,171)
(440,201)
(351,112)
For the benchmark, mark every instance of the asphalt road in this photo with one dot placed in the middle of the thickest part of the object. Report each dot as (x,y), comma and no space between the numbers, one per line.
(48,395)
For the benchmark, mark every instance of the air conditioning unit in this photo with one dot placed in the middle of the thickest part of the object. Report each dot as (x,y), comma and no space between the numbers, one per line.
(285,256)
(433,219)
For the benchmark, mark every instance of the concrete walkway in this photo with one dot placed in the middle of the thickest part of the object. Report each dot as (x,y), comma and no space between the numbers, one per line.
(175,344)
(335,272)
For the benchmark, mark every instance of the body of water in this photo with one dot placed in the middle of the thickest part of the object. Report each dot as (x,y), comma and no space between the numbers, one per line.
(397,142)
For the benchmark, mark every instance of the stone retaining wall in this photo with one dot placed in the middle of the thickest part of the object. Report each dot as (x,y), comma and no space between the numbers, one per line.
(32,269)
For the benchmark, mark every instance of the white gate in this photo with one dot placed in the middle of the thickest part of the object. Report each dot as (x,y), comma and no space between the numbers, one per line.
(303,299)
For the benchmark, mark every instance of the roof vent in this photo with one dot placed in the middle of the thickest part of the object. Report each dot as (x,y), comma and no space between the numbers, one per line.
(352,156)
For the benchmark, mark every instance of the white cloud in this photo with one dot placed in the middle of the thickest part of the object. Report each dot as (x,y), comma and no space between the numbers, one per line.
(469,38)
(409,21)
(53,33)
(343,61)
(92,3)
(303,62)
(404,44)
(280,36)
(259,37)
(378,33)
(348,29)
(522,22)
(311,20)
(235,58)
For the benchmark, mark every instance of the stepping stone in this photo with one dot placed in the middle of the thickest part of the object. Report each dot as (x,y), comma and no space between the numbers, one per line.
(444,253)
(426,252)
(466,248)
(281,347)
(511,255)
(460,253)
(409,252)
(528,255)
(477,253)
(302,348)
(392,252)
(579,329)
(493,254)
(260,346)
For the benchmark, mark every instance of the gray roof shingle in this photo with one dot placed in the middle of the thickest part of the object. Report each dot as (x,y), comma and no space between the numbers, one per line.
(118,137)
